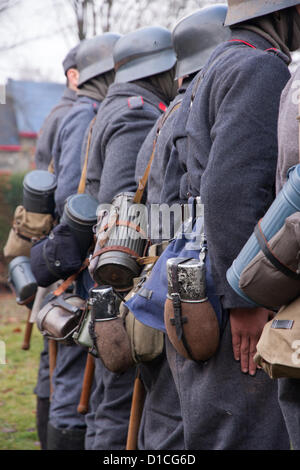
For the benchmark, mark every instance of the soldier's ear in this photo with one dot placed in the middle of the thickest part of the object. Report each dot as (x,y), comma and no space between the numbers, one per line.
(72,78)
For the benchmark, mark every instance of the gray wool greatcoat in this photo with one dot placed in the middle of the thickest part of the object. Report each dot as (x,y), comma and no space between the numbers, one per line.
(231,163)
(71,360)
(47,134)
(288,156)
(124,119)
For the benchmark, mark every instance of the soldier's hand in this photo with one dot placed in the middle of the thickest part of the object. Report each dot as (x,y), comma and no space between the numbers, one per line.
(246,328)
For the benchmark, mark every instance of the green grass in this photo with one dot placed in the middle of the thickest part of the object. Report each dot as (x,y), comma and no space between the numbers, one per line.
(17,379)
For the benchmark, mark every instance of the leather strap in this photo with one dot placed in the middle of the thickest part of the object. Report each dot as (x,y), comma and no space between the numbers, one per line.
(143,181)
(51,166)
(60,302)
(26,301)
(64,286)
(122,249)
(178,321)
(147,260)
(82,182)
(24,237)
(123,223)
(266,249)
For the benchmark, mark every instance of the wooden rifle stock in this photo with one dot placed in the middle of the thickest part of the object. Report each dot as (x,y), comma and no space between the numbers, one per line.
(138,399)
(87,385)
(27,334)
(52,360)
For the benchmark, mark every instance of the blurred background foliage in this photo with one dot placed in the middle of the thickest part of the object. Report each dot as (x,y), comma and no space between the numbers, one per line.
(11,195)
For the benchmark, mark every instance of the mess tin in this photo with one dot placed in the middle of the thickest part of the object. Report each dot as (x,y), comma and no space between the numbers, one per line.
(22,280)
(59,318)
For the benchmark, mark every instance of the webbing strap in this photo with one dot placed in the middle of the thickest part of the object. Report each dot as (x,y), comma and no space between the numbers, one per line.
(143,181)
(266,249)
(64,286)
(82,182)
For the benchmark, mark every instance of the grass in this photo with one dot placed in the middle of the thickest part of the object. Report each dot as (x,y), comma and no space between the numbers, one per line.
(17,379)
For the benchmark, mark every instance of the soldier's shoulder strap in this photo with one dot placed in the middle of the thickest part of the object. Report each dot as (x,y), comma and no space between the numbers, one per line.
(143,181)
(138,102)
(82,183)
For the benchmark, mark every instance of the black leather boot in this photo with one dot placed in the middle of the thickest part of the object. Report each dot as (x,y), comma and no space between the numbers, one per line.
(42,415)
(65,439)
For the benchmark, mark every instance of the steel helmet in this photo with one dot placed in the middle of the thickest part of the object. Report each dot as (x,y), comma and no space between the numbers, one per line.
(142,53)
(70,61)
(196,36)
(95,56)
(243,10)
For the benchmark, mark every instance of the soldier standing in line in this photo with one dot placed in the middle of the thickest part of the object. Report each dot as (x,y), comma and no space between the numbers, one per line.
(43,154)
(43,157)
(288,156)
(194,39)
(144,86)
(232,143)
(66,429)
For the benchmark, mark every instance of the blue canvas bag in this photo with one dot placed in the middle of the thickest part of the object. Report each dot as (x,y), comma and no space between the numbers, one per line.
(148,303)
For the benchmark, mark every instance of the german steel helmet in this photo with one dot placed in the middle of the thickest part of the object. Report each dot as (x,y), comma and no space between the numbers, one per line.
(242,10)
(142,53)
(95,56)
(70,61)
(196,36)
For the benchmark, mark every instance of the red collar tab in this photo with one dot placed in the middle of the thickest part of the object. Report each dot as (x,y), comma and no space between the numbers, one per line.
(253,47)
(162,107)
(244,42)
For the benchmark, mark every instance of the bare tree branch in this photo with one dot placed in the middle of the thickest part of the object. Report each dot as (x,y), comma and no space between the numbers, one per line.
(6,4)
(35,38)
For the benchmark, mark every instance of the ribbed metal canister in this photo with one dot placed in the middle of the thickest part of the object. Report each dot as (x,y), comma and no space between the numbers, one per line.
(126,241)
(80,214)
(38,192)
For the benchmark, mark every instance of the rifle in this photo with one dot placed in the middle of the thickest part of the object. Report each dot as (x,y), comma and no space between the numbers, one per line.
(52,361)
(87,385)
(138,400)
(27,334)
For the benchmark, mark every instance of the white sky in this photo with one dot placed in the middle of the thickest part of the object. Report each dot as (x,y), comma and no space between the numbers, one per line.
(35,19)
(41,59)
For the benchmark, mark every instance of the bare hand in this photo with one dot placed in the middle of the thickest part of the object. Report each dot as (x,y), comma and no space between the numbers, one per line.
(246,328)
